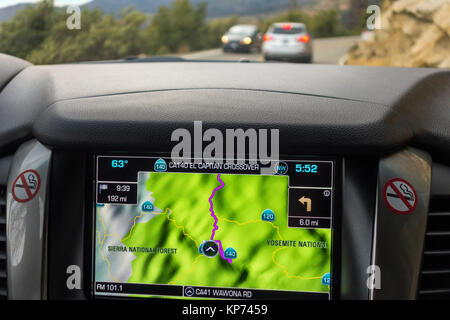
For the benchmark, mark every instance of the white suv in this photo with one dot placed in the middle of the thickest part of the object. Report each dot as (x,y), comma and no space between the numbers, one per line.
(287,41)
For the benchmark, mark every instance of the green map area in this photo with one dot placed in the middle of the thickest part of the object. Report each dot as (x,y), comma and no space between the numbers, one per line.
(188,219)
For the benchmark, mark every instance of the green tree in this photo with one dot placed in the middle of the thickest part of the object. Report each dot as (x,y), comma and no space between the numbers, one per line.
(101,37)
(327,24)
(39,33)
(28,29)
(177,29)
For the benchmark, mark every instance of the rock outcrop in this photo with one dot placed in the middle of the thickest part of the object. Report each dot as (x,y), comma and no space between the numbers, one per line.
(414,33)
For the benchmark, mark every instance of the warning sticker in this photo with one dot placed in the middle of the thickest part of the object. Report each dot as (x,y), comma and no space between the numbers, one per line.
(400,196)
(26,186)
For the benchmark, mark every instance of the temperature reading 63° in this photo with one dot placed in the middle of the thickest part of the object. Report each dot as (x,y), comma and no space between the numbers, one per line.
(118,163)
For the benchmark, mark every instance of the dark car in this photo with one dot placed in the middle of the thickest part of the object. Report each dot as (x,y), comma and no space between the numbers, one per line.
(242,37)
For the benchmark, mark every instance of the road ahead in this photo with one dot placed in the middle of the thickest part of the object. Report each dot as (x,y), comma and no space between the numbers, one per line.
(326,51)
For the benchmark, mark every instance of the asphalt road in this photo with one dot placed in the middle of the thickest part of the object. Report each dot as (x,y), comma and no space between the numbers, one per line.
(325,51)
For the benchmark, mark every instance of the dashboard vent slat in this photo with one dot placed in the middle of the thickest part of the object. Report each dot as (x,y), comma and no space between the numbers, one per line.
(3,291)
(435,273)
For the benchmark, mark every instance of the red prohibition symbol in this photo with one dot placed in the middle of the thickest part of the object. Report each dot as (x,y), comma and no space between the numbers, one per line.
(26,186)
(400,196)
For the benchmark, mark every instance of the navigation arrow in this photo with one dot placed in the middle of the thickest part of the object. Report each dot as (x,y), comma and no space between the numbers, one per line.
(304,200)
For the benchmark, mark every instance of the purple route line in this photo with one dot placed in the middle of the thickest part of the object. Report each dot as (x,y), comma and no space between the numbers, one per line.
(211,206)
(215,227)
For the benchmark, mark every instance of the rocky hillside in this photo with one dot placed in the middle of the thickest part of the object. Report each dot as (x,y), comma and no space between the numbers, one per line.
(7,13)
(414,33)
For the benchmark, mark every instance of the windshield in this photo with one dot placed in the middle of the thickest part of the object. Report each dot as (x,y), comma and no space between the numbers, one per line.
(241,30)
(286,30)
(370,32)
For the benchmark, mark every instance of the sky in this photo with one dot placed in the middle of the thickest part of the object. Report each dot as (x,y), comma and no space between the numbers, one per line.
(6,3)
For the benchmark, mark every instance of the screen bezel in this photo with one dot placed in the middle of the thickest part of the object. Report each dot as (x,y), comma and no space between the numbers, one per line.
(91,202)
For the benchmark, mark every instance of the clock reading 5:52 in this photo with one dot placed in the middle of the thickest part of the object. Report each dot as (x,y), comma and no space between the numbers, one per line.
(306,168)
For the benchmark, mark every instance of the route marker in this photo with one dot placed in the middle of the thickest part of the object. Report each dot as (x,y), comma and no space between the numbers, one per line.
(230,253)
(160,165)
(268,215)
(147,206)
(326,279)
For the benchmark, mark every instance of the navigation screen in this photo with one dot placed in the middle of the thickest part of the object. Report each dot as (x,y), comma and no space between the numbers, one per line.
(168,228)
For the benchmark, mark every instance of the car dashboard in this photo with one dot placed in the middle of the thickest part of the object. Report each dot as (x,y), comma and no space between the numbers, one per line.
(360,190)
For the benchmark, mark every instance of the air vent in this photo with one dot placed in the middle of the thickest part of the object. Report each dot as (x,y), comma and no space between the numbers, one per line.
(435,274)
(2,242)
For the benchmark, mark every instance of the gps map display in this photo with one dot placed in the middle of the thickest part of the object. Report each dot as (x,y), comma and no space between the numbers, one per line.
(212,230)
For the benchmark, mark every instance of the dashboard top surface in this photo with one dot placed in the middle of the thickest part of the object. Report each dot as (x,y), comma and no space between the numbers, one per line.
(73,81)
(322,108)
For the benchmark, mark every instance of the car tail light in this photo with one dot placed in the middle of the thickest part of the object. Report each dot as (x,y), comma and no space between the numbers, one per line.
(287,26)
(267,37)
(304,38)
